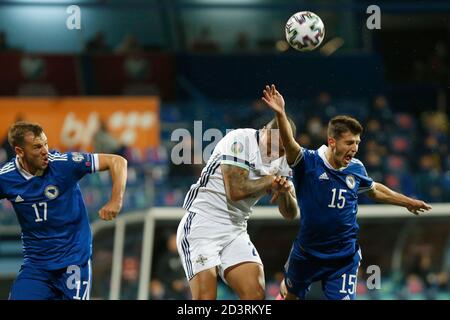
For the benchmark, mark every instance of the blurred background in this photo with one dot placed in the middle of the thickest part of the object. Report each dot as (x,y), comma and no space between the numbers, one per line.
(136,70)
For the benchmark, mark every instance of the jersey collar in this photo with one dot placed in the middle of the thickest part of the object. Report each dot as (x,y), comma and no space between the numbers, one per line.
(22,171)
(322,150)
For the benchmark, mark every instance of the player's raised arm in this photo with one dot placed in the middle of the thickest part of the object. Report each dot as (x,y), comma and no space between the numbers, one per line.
(238,186)
(381,193)
(276,102)
(117,167)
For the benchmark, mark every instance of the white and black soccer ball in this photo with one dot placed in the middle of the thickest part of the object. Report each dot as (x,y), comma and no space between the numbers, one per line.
(305,31)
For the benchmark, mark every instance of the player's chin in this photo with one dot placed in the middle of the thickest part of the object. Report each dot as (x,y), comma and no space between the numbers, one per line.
(44,164)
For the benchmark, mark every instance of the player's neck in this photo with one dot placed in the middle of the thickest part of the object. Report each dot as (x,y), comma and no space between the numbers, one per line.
(24,166)
(330,159)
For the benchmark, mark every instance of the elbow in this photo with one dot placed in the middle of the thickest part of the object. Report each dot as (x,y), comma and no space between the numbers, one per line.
(119,164)
(121,160)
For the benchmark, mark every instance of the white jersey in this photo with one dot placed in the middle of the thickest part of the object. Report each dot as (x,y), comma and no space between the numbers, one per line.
(207,197)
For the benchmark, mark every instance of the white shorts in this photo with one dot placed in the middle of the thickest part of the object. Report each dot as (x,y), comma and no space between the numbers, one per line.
(204,244)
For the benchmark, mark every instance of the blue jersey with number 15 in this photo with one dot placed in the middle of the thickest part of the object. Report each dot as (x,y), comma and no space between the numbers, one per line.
(51,210)
(328,201)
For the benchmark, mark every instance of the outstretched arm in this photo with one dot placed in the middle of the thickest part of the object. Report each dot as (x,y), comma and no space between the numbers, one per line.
(238,186)
(381,193)
(117,167)
(276,102)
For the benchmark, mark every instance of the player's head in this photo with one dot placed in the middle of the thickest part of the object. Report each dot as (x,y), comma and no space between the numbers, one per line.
(30,144)
(344,136)
(271,139)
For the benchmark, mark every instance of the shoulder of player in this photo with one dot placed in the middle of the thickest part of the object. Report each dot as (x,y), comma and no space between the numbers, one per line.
(241,132)
(356,162)
(68,157)
(7,167)
(310,152)
(356,166)
(55,156)
(241,139)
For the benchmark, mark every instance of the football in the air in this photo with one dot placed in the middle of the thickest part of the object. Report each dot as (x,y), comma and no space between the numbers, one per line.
(305,31)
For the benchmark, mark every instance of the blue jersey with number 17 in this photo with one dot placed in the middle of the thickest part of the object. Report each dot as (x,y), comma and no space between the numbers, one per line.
(328,201)
(51,210)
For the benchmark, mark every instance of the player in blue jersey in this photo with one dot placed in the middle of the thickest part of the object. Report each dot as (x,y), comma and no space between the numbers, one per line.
(327,182)
(43,189)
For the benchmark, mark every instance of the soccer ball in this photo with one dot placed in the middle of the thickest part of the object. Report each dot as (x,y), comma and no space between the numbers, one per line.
(305,31)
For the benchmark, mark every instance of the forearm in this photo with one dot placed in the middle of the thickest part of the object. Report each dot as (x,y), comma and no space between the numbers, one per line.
(385,195)
(247,188)
(239,186)
(291,146)
(287,205)
(118,171)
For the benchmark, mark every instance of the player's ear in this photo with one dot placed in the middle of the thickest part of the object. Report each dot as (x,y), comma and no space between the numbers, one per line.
(19,151)
(331,142)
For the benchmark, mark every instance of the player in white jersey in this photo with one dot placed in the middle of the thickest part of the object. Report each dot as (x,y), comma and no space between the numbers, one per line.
(212,237)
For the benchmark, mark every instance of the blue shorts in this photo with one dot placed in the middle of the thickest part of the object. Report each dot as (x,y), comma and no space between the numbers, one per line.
(338,276)
(71,283)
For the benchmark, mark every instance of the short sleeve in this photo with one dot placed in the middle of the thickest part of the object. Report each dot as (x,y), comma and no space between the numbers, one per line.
(366,183)
(76,164)
(305,158)
(236,149)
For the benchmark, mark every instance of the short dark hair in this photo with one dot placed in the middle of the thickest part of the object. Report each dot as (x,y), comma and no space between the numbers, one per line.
(342,124)
(273,124)
(17,132)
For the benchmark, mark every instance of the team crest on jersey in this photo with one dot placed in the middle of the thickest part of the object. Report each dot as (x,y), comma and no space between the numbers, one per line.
(350,180)
(77,157)
(51,192)
(237,147)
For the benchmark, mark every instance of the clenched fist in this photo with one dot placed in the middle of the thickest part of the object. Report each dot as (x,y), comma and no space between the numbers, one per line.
(110,210)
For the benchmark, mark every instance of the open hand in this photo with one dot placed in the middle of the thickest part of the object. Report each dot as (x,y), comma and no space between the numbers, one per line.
(273,99)
(418,206)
